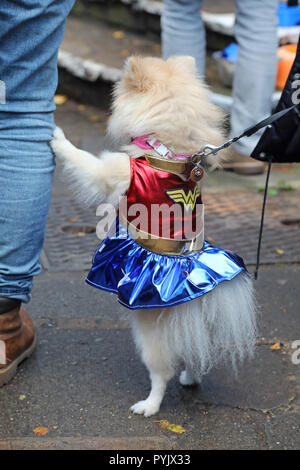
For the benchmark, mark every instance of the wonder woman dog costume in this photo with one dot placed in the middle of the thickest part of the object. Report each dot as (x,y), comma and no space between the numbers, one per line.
(149,270)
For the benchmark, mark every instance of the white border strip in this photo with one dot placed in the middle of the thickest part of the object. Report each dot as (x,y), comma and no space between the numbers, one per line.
(150,6)
(87,69)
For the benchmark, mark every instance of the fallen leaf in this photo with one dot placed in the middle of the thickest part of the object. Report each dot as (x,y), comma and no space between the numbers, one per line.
(156,47)
(164,424)
(60,99)
(40,431)
(118,34)
(73,219)
(279,251)
(283,309)
(55,427)
(94,118)
(275,346)
(22,397)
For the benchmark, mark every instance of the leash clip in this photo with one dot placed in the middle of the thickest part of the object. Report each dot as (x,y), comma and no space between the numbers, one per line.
(198,158)
(209,149)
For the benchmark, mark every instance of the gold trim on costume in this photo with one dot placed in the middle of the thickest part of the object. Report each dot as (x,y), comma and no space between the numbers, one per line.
(177,167)
(165,246)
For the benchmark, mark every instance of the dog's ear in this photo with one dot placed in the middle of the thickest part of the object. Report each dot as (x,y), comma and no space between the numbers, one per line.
(185,62)
(135,74)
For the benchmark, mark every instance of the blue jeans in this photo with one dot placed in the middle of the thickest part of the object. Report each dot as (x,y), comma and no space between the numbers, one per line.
(30,34)
(255,31)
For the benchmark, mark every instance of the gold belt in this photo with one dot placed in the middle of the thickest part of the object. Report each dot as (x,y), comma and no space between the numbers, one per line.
(165,246)
(177,167)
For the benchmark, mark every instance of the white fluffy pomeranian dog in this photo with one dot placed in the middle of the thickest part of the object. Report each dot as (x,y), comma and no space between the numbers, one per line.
(167,99)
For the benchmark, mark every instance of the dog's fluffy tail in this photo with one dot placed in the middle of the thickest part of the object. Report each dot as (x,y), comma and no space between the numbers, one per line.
(219,326)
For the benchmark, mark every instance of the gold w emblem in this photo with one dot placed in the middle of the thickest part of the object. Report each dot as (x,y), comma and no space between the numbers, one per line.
(188,199)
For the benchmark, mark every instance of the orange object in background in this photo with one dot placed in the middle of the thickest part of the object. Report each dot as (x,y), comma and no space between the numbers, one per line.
(286,56)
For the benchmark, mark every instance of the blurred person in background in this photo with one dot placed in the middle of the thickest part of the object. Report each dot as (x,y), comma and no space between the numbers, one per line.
(183,33)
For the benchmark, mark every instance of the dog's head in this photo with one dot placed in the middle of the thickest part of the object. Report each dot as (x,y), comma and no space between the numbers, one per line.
(168,99)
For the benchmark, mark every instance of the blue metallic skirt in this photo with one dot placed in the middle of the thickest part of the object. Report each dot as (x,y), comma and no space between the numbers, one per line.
(144,279)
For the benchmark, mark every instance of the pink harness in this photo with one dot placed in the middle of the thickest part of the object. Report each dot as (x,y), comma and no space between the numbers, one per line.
(148,142)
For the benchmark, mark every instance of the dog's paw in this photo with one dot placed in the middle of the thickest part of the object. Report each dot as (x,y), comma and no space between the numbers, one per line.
(186,379)
(59,143)
(145,407)
(58,133)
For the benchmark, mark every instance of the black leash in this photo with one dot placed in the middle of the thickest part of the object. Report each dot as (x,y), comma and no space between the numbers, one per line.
(198,159)
(262,220)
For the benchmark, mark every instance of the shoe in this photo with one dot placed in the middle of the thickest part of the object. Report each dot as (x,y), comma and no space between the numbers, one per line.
(243,165)
(17,338)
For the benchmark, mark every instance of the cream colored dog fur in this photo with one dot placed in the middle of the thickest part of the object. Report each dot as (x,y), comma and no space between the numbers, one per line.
(166,98)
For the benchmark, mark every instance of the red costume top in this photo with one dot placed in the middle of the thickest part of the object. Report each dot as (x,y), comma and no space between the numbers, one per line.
(162,203)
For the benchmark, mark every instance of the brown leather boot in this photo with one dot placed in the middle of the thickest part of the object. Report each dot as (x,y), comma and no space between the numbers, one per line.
(17,338)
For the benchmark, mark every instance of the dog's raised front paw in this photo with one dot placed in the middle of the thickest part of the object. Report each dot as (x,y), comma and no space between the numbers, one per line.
(145,407)
(58,133)
(59,143)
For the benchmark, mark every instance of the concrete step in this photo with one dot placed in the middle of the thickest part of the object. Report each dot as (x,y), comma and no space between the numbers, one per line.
(92,56)
(100,34)
(143,16)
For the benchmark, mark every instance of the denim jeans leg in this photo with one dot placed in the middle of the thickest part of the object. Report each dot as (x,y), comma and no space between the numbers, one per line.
(30,34)
(183,31)
(254,80)
(26,173)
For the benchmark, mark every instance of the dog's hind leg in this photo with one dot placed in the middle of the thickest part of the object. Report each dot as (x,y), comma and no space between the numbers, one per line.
(187,378)
(156,356)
